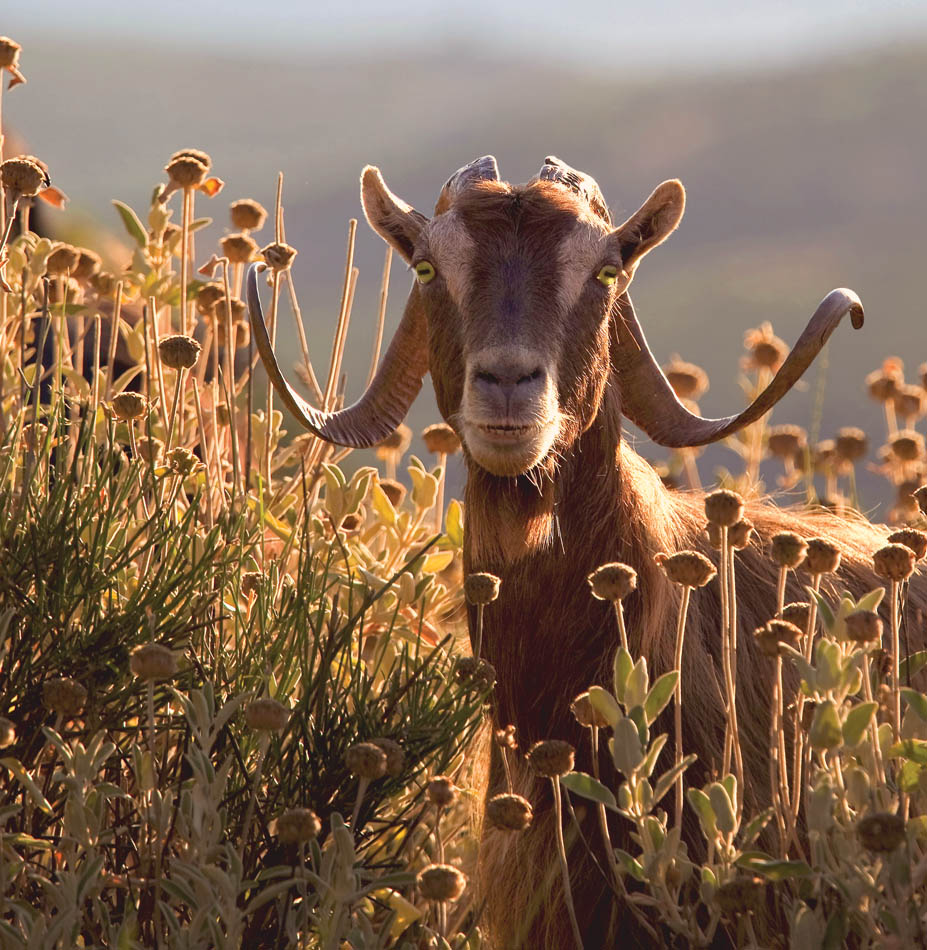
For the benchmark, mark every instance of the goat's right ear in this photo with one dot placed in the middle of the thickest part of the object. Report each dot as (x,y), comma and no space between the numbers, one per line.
(398,223)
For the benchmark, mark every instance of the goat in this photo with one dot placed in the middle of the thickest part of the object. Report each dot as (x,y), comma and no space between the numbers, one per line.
(520,311)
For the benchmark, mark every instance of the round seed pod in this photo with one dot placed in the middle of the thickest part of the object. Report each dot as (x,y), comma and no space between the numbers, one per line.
(196,153)
(765,349)
(742,895)
(279,256)
(267,715)
(774,633)
(239,248)
(475,672)
(179,351)
(88,264)
(64,696)
(221,311)
(908,401)
(153,661)
(23,177)
(441,439)
(505,737)
(186,171)
(894,562)
(481,588)
(298,825)
(612,581)
(442,792)
(586,714)
(7,732)
(9,52)
(397,441)
(251,582)
(786,440)
(441,882)
(129,405)
(394,491)
(208,296)
(920,496)
(798,613)
(395,756)
(883,383)
(248,214)
(366,760)
(822,557)
(62,260)
(688,380)
(182,461)
(911,538)
(509,812)
(738,535)
(551,757)
(851,444)
(881,832)
(864,626)
(687,568)
(788,549)
(724,508)
(907,446)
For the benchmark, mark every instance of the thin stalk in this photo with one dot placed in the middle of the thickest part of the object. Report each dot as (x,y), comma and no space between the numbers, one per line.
(186,204)
(680,636)
(873,725)
(341,330)
(362,784)
(230,376)
(268,419)
(178,388)
(479,630)
(896,664)
(304,345)
(381,314)
(780,590)
(735,730)
(151,726)
(564,867)
(205,447)
(439,503)
(113,342)
(779,796)
(799,741)
(622,630)
(726,653)
(249,814)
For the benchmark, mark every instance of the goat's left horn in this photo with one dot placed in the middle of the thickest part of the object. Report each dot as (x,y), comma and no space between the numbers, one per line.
(481,169)
(387,399)
(648,400)
(585,186)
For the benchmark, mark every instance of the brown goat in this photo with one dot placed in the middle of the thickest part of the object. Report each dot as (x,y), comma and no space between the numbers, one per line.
(520,312)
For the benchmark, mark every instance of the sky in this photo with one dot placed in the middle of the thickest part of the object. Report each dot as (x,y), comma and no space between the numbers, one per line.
(593,34)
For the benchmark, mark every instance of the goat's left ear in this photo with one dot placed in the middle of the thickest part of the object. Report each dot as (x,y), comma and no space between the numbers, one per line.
(650,226)
(398,223)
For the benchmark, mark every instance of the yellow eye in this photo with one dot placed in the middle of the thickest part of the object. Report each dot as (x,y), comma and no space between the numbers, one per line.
(424,271)
(608,275)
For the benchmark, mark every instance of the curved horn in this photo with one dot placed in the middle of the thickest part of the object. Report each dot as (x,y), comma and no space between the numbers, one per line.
(587,188)
(648,400)
(388,397)
(481,169)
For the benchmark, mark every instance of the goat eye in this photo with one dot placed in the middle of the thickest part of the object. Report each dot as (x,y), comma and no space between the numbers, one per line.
(608,275)
(424,271)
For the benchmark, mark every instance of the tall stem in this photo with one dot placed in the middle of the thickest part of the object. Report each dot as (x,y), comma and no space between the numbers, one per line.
(896,664)
(564,867)
(622,631)
(680,636)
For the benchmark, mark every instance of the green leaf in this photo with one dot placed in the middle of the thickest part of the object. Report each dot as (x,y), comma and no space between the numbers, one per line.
(777,870)
(917,701)
(25,779)
(909,775)
(132,224)
(623,666)
(701,805)
(835,933)
(913,664)
(857,722)
(588,787)
(827,615)
(635,690)
(871,600)
(631,865)
(825,732)
(200,223)
(660,694)
(723,807)
(755,827)
(828,664)
(666,780)
(604,703)
(453,524)
(650,759)
(913,749)
(626,747)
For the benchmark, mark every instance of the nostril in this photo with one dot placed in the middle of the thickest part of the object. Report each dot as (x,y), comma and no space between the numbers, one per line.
(530,377)
(488,378)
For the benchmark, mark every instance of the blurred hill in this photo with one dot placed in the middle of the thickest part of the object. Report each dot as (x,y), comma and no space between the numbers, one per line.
(799,179)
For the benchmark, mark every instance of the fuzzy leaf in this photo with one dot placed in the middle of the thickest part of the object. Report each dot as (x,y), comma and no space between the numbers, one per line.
(660,694)
(913,749)
(871,600)
(589,787)
(25,779)
(635,690)
(825,732)
(631,865)
(701,805)
(132,224)
(604,703)
(828,664)
(666,780)
(437,561)
(827,615)
(913,664)
(623,666)
(857,722)
(454,523)
(917,701)
(777,870)
(723,807)
(650,759)
(382,505)
(626,747)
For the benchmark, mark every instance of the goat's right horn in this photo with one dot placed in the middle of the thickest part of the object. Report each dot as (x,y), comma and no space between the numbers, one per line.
(481,169)
(387,399)
(585,186)
(648,400)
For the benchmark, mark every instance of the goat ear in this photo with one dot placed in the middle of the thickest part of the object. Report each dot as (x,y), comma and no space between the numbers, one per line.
(398,223)
(657,218)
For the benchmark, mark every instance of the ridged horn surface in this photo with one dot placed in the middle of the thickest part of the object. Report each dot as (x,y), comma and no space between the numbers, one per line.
(388,397)
(648,400)
(586,187)
(481,169)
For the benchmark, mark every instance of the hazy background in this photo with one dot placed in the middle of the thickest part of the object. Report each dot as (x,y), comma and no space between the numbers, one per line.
(798,129)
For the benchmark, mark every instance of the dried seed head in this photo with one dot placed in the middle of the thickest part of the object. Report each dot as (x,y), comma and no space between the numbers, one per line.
(774,633)
(612,581)
(883,383)
(153,661)
(688,380)
(586,714)
(551,757)
(366,760)
(197,153)
(186,170)
(441,439)
(104,284)
(864,626)
(742,895)
(509,812)
(881,832)
(64,696)
(88,264)
(394,491)
(851,444)
(894,562)
(505,737)
(23,177)
(397,441)
(267,715)
(182,461)
(395,756)
(907,446)
(920,496)
(441,882)
(9,52)
(822,557)
(149,449)
(724,508)
(881,664)
(738,535)
(687,568)
(239,248)
(298,825)
(911,538)
(279,256)
(788,549)
(208,296)
(798,613)
(7,732)
(251,582)
(908,401)
(179,351)
(786,440)
(475,672)
(481,588)
(129,405)
(765,349)
(825,454)
(62,260)
(441,791)
(248,214)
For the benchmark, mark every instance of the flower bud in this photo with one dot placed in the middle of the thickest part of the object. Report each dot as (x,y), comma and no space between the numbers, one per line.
(788,549)
(64,696)
(365,760)
(7,732)
(894,562)
(267,715)
(129,405)
(395,756)
(786,440)
(774,633)
(881,832)
(724,508)
(864,626)
(509,812)
(441,882)
(551,757)
(481,588)
(687,568)
(179,351)
(23,177)
(441,791)
(612,581)
(298,825)
(823,556)
(239,248)
(586,714)
(911,538)
(798,613)
(742,895)
(441,439)
(688,380)
(153,661)
(851,444)
(475,672)
(279,256)
(186,171)
(248,214)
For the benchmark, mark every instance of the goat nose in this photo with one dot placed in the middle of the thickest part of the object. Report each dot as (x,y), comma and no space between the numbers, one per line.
(507,381)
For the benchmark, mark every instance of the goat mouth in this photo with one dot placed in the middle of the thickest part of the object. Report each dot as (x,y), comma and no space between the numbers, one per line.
(509,448)
(505,433)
